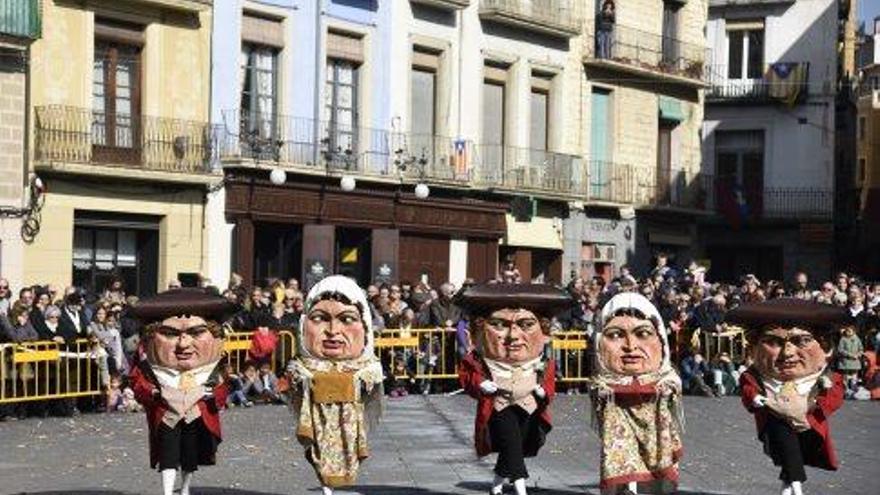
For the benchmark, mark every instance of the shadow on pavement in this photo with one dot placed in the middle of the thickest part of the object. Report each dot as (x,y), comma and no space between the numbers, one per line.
(198,490)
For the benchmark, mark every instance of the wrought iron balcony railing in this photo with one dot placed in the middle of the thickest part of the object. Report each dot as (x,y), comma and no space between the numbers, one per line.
(292,142)
(743,203)
(530,170)
(21,18)
(649,53)
(784,82)
(556,17)
(67,134)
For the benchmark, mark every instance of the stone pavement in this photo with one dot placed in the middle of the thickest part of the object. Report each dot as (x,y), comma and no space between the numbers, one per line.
(423,447)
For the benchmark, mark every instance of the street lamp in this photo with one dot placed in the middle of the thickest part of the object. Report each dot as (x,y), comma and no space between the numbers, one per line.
(422,190)
(277,176)
(347,183)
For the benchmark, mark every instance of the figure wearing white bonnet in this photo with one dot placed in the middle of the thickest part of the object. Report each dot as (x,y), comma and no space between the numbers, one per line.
(338,381)
(636,399)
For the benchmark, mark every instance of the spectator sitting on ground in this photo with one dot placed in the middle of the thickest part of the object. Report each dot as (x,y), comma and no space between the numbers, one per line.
(264,340)
(724,375)
(266,385)
(237,396)
(693,372)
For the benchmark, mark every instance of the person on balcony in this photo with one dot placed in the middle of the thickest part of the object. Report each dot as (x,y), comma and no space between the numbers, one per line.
(605,29)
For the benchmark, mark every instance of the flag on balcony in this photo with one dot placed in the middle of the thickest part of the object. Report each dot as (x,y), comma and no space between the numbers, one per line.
(786,81)
(460,158)
(732,203)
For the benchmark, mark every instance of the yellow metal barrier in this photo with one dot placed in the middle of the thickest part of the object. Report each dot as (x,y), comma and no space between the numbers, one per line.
(46,370)
(238,344)
(731,340)
(572,359)
(423,354)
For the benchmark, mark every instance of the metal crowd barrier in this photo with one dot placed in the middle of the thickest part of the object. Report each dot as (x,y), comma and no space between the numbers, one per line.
(237,345)
(731,340)
(47,370)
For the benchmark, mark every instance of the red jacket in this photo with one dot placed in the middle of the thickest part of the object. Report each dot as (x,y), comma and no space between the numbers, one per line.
(144,383)
(827,401)
(471,372)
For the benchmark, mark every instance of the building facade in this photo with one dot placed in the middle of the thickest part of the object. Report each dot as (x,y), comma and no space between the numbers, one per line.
(20,25)
(641,97)
(866,176)
(769,137)
(120,136)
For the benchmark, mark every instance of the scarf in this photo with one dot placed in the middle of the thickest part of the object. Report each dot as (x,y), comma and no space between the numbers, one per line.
(335,434)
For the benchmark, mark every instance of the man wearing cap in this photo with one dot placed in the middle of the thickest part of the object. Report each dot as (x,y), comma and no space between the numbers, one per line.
(507,372)
(789,388)
(178,382)
(636,399)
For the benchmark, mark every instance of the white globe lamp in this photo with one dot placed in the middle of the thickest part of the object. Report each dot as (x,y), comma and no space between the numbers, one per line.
(277,176)
(347,183)
(422,191)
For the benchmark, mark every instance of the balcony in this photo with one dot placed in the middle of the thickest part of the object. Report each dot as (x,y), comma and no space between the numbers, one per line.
(553,17)
(782,82)
(21,19)
(444,4)
(540,172)
(751,204)
(647,55)
(339,148)
(70,136)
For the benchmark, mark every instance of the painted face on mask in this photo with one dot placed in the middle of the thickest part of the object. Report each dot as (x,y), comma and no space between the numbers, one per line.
(513,336)
(334,330)
(630,346)
(184,343)
(788,354)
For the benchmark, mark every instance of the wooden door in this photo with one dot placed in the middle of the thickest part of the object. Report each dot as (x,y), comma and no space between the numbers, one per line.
(424,255)
(482,261)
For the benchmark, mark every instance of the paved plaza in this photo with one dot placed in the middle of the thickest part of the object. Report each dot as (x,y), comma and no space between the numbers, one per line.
(423,447)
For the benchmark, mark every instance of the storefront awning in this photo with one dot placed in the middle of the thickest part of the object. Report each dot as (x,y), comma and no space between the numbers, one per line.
(671,109)
(539,232)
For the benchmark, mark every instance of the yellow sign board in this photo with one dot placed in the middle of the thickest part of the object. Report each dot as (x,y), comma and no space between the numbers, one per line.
(397,342)
(236,345)
(36,356)
(570,345)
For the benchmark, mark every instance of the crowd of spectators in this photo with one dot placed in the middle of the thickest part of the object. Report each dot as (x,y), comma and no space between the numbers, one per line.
(692,308)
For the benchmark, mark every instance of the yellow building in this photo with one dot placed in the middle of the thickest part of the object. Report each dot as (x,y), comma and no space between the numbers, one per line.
(119,99)
(867,179)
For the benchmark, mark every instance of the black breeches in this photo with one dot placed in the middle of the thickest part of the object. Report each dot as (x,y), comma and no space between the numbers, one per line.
(187,446)
(787,448)
(508,430)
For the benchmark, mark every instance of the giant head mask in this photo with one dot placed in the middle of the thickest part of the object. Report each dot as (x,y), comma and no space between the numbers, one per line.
(183,328)
(788,337)
(336,321)
(632,338)
(511,322)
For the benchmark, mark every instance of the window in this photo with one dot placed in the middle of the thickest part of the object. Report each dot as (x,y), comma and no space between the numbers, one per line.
(862,123)
(422,142)
(99,254)
(493,123)
(259,81)
(670,31)
(739,164)
(116,89)
(862,171)
(539,115)
(745,51)
(340,109)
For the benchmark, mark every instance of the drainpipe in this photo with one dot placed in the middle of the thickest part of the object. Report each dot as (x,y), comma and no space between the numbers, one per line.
(319,8)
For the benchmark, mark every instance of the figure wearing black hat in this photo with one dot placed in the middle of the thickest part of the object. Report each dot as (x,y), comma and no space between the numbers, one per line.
(789,388)
(508,375)
(177,380)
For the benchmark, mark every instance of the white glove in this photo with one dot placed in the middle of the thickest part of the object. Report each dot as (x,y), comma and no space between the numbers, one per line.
(540,392)
(488,387)
(759,401)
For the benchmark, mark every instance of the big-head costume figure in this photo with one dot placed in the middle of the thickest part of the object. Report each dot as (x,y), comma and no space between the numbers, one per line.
(177,380)
(789,388)
(508,374)
(337,380)
(636,399)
